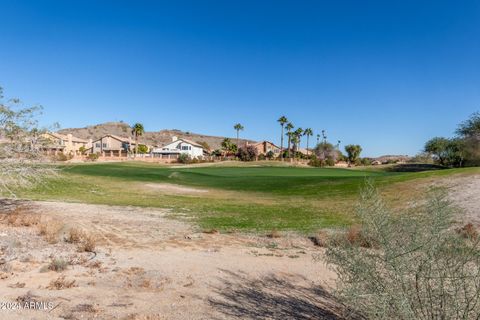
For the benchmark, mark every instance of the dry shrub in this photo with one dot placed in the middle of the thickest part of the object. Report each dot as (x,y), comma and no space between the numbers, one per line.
(21,217)
(75,235)
(419,268)
(50,230)
(60,283)
(274,234)
(468,231)
(86,307)
(356,236)
(210,231)
(320,239)
(85,242)
(58,265)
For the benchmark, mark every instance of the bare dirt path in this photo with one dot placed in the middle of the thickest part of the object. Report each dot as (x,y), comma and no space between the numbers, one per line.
(465,193)
(149,266)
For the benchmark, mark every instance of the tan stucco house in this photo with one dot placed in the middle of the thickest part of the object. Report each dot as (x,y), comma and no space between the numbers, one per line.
(53,143)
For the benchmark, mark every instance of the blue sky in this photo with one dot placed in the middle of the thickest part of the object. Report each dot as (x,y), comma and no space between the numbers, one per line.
(387,75)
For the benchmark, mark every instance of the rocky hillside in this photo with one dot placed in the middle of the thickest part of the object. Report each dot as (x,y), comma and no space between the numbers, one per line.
(157,138)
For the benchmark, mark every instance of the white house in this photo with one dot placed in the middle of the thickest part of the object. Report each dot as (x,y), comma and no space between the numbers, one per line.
(179,146)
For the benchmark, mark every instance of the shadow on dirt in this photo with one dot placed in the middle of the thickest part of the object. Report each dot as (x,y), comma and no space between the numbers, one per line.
(273,297)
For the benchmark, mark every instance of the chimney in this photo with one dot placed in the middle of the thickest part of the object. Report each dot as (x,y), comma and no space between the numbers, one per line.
(174,138)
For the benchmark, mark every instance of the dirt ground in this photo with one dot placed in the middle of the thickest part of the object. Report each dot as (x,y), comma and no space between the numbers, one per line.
(147,265)
(465,193)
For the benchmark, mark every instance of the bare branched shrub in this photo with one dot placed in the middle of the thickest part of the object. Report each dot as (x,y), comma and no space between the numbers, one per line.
(20,216)
(20,147)
(75,235)
(61,283)
(50,230)
(86,242)
(420,267)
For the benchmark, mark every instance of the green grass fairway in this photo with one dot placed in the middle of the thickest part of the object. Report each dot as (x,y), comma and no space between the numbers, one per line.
(245,198)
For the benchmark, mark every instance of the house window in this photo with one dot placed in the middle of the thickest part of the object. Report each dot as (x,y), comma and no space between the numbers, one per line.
(104,145)
(97,145)
(186,148)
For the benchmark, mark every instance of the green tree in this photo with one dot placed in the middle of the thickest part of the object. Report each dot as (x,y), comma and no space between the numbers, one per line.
(353,152)
(282,120)
(469,132)
(289,134)
(238,127)
(470,127)
(298,140)
(137,131)
(438,148)
(142,149)
(228,146)
(308,133)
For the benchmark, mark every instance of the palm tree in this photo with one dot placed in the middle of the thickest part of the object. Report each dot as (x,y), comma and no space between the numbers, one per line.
(137,131)
(318,138)
(295,141)
(289,128)
(282,122)
(298,135)
(238,127)
(308,132)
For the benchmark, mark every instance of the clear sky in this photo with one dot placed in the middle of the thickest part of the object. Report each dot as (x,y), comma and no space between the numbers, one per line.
(387,75)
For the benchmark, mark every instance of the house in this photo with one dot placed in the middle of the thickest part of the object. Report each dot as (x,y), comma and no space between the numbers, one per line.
(265,147)
(179,146)
(53,143)
(112,145)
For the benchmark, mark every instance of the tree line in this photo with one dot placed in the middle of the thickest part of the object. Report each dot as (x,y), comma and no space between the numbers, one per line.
(461,150)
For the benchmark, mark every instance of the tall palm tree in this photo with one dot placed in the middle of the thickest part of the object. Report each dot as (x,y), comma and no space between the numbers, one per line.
(295,141)
(239,128)
(318,139)
(137,131)
(298,135)
(289,128)
(282,120)
(308,132)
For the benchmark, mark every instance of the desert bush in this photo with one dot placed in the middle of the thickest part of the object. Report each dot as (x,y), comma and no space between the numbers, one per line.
(58,265)
(274,234)
(20,217)
(419,268)
(468,231)
(50,230)
(75,235)
(247,154)
(85,242)
(366,161)
(61,283)
(320,239)
(184,158)
(356,236)
(93,157)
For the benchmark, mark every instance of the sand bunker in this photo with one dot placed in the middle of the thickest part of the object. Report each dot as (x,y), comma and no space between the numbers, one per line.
(173,188)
